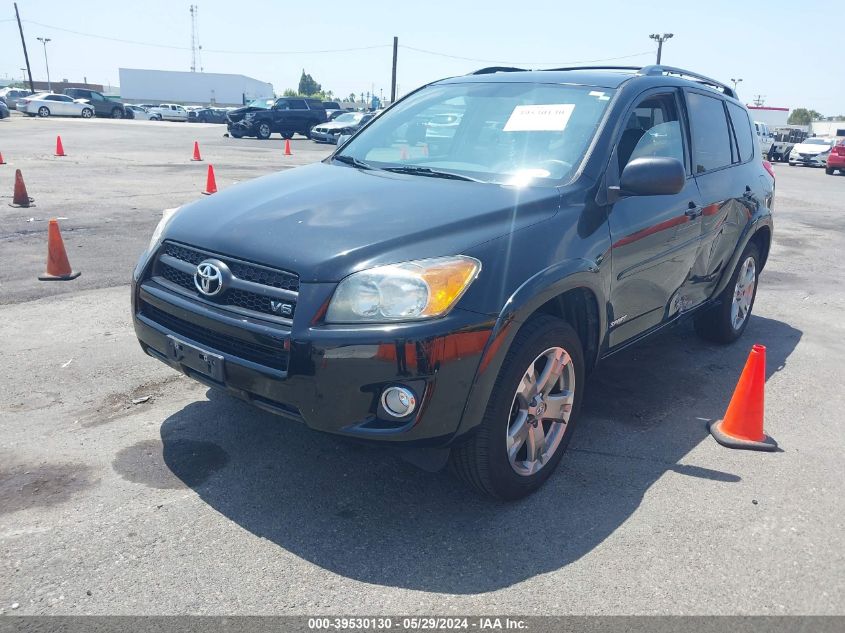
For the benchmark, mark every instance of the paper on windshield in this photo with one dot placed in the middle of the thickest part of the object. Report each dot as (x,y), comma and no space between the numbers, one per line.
(550,117)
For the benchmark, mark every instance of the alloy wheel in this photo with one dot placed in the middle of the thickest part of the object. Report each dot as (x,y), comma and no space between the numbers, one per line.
(540,411)
(743,294)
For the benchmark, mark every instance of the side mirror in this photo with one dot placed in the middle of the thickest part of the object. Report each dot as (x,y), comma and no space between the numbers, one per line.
(653,176)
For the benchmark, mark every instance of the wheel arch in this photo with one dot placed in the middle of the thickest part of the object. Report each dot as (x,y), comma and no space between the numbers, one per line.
(571,290)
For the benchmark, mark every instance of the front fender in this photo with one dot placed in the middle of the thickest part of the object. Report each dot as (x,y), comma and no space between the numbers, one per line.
(524,302)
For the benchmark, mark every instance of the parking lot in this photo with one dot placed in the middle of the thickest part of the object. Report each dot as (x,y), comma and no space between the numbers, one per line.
(126,488)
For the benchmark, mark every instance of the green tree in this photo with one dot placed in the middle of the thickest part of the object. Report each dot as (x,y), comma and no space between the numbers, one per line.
(307,85)
(290,92)
(803,116)
(351,97)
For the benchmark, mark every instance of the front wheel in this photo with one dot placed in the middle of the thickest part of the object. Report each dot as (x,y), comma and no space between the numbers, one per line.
(726,321)
(87,113)
(531,413)
(43,111)
(263,131)
(117,113)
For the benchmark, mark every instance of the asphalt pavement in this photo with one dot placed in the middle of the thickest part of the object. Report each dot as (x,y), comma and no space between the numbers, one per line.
(126,488)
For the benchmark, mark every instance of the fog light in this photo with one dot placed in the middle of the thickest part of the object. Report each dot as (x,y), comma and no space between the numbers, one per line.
(398,401)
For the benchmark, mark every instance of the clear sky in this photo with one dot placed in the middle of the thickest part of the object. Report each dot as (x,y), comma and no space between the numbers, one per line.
(790,52)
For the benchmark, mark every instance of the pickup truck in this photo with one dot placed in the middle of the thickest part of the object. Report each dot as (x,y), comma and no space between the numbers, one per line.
(170,112)
(287,116)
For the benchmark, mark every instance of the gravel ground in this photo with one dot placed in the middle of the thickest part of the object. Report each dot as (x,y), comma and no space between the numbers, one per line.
(126,488)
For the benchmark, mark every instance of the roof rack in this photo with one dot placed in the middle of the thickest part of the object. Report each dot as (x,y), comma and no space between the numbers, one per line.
(652,70)
(688,74)
(498,69)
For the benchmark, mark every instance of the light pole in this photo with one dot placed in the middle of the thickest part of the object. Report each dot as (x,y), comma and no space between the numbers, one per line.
(44,41)
(735,81)
(660,39)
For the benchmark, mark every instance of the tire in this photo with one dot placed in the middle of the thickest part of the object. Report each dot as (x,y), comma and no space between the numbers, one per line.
(87,113)
(482,460)
(263,130)
(829,170)
(287,136)
(719,323)
(117,113)
(43,111)
(236,134)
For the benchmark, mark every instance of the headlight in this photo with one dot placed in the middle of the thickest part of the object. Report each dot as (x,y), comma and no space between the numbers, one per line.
(410,291)
(166,216)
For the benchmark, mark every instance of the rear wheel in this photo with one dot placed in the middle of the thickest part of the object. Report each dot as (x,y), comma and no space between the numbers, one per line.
(829,170)
(43,111)
(263,131)
(117,113)
(726,321)
(530,416)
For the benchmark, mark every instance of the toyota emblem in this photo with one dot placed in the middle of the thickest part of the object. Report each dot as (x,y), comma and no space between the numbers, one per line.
(209,277)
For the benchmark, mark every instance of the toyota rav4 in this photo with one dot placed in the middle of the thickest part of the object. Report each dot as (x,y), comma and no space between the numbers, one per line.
(449,293)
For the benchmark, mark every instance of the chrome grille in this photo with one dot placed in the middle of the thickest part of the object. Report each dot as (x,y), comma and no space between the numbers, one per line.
(254,290)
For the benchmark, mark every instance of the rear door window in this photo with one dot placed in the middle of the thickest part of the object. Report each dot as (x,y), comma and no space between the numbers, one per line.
(711,140)
(742,131)
(297,104)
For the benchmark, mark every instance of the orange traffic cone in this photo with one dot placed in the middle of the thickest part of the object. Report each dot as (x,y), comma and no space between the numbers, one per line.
(58,267)
(287,148)
(210,182)
(2,162)
(60,150)
(742,426)
(20,198)
(196,152)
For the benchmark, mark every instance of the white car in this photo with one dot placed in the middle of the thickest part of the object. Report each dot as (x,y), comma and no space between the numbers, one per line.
(765,137)
(171,112)
(142,113)
(812,152)
(46,104)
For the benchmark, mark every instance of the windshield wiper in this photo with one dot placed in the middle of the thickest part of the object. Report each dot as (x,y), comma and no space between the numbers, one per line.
(427,171)
(351,160)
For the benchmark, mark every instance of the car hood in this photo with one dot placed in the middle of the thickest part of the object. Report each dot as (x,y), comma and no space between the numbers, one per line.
(238,113)
(804,148)
(334,125)
(326,221)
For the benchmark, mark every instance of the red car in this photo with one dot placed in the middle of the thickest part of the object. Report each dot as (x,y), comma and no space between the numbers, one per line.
(836,159)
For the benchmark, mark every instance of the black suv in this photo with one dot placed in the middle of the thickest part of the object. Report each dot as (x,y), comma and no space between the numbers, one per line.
(286,116)
(103,106)
(446,288)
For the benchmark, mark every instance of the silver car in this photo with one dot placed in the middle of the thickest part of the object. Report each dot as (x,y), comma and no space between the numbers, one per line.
(48,104)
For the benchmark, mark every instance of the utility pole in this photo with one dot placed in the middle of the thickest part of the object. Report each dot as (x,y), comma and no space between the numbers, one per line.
(196,47)
(44,41)
(660,39)
(735,81)
(25,54)
(393,80)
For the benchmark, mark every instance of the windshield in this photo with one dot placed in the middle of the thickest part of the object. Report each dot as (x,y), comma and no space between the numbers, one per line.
(261,103)
(351,117)
(510,133)
(818,141)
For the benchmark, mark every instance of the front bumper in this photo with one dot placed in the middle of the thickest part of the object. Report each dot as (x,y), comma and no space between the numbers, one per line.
(328,377)
(324,137)
(814,160)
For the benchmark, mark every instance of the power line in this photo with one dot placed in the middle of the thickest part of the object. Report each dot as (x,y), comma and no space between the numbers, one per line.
(207,50)
(334,50)
(506,61)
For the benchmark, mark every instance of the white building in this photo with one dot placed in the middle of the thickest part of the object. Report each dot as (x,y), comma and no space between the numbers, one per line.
(160,86)
(828,128)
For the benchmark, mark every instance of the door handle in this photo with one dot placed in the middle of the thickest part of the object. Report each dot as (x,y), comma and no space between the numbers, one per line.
(693,211)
